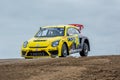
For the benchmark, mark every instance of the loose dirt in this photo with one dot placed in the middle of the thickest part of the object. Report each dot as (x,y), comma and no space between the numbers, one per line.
(70,68)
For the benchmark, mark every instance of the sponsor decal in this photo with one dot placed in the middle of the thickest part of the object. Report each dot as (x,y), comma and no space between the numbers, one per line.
(71,39)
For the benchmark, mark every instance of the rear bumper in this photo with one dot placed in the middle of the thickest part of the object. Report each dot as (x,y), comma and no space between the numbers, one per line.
(39,52)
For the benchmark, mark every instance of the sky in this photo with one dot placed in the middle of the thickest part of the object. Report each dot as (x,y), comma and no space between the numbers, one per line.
(21,19)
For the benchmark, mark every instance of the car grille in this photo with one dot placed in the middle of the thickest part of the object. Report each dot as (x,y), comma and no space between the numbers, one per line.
(37,53)
(39,40)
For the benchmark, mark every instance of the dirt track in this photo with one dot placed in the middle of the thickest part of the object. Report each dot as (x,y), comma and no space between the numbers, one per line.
(83,68)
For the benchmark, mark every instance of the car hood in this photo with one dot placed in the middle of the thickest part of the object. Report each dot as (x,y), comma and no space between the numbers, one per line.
(41,42)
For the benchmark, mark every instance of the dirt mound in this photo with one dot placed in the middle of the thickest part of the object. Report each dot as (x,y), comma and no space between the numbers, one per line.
(83,68)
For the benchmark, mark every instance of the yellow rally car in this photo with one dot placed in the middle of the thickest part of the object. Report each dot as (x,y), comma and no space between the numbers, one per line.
(60,40)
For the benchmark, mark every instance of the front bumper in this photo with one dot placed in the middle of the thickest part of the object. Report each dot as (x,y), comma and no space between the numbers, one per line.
(39,52)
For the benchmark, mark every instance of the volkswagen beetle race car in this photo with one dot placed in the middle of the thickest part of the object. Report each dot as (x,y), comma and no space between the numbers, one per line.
(60,40)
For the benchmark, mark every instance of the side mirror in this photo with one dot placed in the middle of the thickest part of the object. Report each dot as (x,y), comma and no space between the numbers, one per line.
(40,28)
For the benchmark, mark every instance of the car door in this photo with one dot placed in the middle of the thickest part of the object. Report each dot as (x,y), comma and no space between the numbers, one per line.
(73,38)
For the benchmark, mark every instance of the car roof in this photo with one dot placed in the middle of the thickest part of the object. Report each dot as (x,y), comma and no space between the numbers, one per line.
(59,26)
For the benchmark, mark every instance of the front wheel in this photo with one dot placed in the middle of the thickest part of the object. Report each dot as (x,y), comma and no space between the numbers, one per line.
(84,51)
(64,50)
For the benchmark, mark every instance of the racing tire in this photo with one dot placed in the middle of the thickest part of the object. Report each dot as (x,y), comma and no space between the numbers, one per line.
(64,51)
(84,51)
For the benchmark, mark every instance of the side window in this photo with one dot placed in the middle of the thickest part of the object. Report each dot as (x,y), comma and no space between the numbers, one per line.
(69,32)
(72,31)
(77,32)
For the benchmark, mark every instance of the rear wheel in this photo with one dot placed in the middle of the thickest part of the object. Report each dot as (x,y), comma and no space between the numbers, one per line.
(64,50)
(84,51)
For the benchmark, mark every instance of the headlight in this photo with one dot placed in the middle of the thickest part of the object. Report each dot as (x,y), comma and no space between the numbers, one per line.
(25,44)
(55,43)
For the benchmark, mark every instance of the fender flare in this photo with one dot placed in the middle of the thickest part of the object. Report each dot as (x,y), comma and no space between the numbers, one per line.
(83,40)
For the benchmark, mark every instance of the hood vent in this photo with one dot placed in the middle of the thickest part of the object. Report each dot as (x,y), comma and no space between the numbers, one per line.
(39,40)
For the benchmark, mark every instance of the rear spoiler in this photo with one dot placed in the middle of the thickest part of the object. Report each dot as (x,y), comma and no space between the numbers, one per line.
(80,26)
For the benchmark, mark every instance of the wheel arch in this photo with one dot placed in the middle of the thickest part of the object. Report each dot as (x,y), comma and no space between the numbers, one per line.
(66,46)
(85,40)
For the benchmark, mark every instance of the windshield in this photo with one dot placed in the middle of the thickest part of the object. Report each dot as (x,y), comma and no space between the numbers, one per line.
(50,32)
